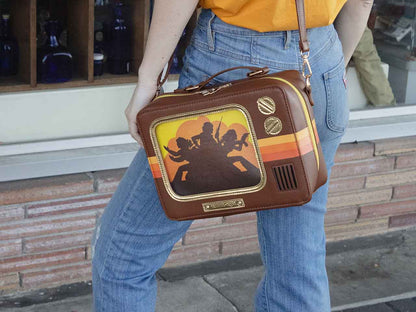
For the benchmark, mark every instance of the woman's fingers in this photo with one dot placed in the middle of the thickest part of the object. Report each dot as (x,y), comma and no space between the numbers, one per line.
(131,112)
(134,132)
(141,97)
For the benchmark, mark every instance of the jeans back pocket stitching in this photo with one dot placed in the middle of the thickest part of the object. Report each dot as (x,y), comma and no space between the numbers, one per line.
(334,74)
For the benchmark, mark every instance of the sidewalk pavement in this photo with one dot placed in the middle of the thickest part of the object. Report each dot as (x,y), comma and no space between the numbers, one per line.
(371,274)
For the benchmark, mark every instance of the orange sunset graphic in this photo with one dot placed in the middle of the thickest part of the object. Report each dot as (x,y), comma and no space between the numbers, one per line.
(210,152)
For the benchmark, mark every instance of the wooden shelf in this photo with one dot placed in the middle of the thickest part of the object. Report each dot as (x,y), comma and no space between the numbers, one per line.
(13,84)
(81,36)
(73,83)
(108,79)
(23,27)
(78,17)
(104,80)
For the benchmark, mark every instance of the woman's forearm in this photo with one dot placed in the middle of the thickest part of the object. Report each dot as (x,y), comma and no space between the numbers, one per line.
(350,24)
(168,22)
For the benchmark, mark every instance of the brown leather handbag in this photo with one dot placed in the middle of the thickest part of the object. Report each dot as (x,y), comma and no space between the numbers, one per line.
(246,145)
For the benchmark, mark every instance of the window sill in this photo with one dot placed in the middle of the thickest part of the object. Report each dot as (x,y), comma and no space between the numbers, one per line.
(50,158)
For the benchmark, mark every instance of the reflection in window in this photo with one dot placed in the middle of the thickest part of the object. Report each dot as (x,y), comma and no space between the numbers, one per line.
(383,67)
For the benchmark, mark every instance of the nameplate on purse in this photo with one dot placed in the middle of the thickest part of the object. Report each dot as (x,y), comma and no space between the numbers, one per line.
(223,204)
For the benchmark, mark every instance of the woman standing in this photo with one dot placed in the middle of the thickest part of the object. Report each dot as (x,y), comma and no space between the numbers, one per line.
(133,237)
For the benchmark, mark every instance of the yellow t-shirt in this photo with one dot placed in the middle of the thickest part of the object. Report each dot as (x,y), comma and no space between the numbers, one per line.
(273,15)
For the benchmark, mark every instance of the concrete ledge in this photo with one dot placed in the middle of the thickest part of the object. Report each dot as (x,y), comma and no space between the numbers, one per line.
(26,166)
(363,126)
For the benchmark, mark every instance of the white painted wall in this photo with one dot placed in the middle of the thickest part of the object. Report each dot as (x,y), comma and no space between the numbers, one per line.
(356,97)
(65,113)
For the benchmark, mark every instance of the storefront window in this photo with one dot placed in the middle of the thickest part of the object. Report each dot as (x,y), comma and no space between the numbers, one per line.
(392,27)
(382,72)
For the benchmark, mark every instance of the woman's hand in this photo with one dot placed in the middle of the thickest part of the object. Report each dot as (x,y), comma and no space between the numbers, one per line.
(168,22)
(143,94)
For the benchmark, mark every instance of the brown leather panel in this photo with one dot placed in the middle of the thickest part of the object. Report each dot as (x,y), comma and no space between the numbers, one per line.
(246,92)
(323,173)
(268,198)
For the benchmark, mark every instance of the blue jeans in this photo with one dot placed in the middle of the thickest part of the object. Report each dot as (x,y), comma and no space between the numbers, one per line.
(133,237)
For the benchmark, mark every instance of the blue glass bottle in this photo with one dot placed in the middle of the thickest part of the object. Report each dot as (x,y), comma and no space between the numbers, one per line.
(54,61)
(119,43)
(9,52)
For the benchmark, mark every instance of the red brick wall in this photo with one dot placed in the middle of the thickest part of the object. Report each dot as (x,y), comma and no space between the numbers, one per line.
(46,224)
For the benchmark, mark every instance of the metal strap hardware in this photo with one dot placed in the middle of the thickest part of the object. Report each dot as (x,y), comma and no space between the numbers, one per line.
(191,88)
(306,66)
(258,72)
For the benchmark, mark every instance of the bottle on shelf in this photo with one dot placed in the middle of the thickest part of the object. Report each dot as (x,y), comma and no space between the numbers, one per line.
(98,64)
(101,2)
(54,61)
(42,18)
(99,42)
(9,52)
(119,43)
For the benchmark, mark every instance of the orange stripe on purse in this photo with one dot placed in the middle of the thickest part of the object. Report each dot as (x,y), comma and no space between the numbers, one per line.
(271,149)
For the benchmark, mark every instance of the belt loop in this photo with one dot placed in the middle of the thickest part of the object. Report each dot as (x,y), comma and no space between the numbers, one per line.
(210,33)
(288,39)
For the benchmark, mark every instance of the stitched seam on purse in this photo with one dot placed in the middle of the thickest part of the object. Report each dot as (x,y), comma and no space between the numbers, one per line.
(204,99)
(243,210)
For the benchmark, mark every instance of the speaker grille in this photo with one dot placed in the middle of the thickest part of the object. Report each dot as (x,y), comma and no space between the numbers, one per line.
(285,177)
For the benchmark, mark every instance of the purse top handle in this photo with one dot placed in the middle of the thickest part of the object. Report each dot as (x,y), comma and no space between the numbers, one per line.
(303,46)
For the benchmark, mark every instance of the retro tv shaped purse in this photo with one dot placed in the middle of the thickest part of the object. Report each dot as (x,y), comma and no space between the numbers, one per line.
(246,145)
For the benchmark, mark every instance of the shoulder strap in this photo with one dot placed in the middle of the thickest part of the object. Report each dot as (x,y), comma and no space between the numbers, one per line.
(303,36)
(303,41)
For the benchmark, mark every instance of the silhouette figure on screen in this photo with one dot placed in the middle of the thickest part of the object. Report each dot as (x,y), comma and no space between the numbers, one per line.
(205,138)
(186,152)
(207,166)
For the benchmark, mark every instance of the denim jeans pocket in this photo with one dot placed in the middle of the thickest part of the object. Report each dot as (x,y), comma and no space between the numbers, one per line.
(337,110)
(199,64)
(235,46)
